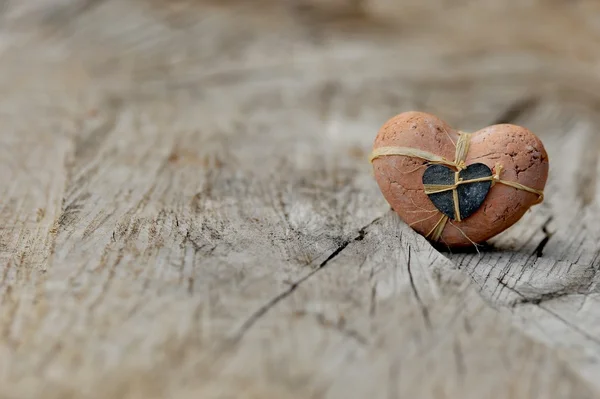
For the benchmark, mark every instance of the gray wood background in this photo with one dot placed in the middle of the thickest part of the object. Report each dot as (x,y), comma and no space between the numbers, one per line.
(186,208)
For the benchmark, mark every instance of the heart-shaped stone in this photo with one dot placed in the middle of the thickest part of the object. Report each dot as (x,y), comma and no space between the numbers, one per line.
(470,196)
(519,152)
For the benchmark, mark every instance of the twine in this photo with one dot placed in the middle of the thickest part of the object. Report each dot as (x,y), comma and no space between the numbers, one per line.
(462,148)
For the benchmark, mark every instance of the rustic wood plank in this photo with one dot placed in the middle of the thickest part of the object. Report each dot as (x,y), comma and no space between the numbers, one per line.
(188,210)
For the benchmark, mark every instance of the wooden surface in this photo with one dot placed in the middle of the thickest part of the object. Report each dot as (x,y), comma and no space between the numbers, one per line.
(186,209)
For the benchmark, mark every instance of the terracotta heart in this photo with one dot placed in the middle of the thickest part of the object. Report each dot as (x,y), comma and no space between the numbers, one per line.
(519,152)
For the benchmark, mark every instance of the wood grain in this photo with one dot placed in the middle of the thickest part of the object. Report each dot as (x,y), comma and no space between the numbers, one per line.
(187,210)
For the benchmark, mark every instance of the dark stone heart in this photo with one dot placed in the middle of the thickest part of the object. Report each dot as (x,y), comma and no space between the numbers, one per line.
(470,195)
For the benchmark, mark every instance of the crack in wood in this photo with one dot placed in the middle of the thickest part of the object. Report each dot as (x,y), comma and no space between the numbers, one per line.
(539,249)
(339,326)
(422,306)
(537,301)
(263,310)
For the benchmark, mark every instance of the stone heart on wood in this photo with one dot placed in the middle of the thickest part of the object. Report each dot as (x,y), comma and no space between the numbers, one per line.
(469,197)
(508,161)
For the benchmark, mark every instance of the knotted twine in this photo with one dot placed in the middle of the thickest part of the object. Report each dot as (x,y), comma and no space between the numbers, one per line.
(462,148)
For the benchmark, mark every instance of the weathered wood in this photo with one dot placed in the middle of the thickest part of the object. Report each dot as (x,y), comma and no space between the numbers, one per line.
(186,209)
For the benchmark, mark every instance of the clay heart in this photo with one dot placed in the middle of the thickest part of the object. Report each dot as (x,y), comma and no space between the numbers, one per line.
(512,153)
(469,197)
